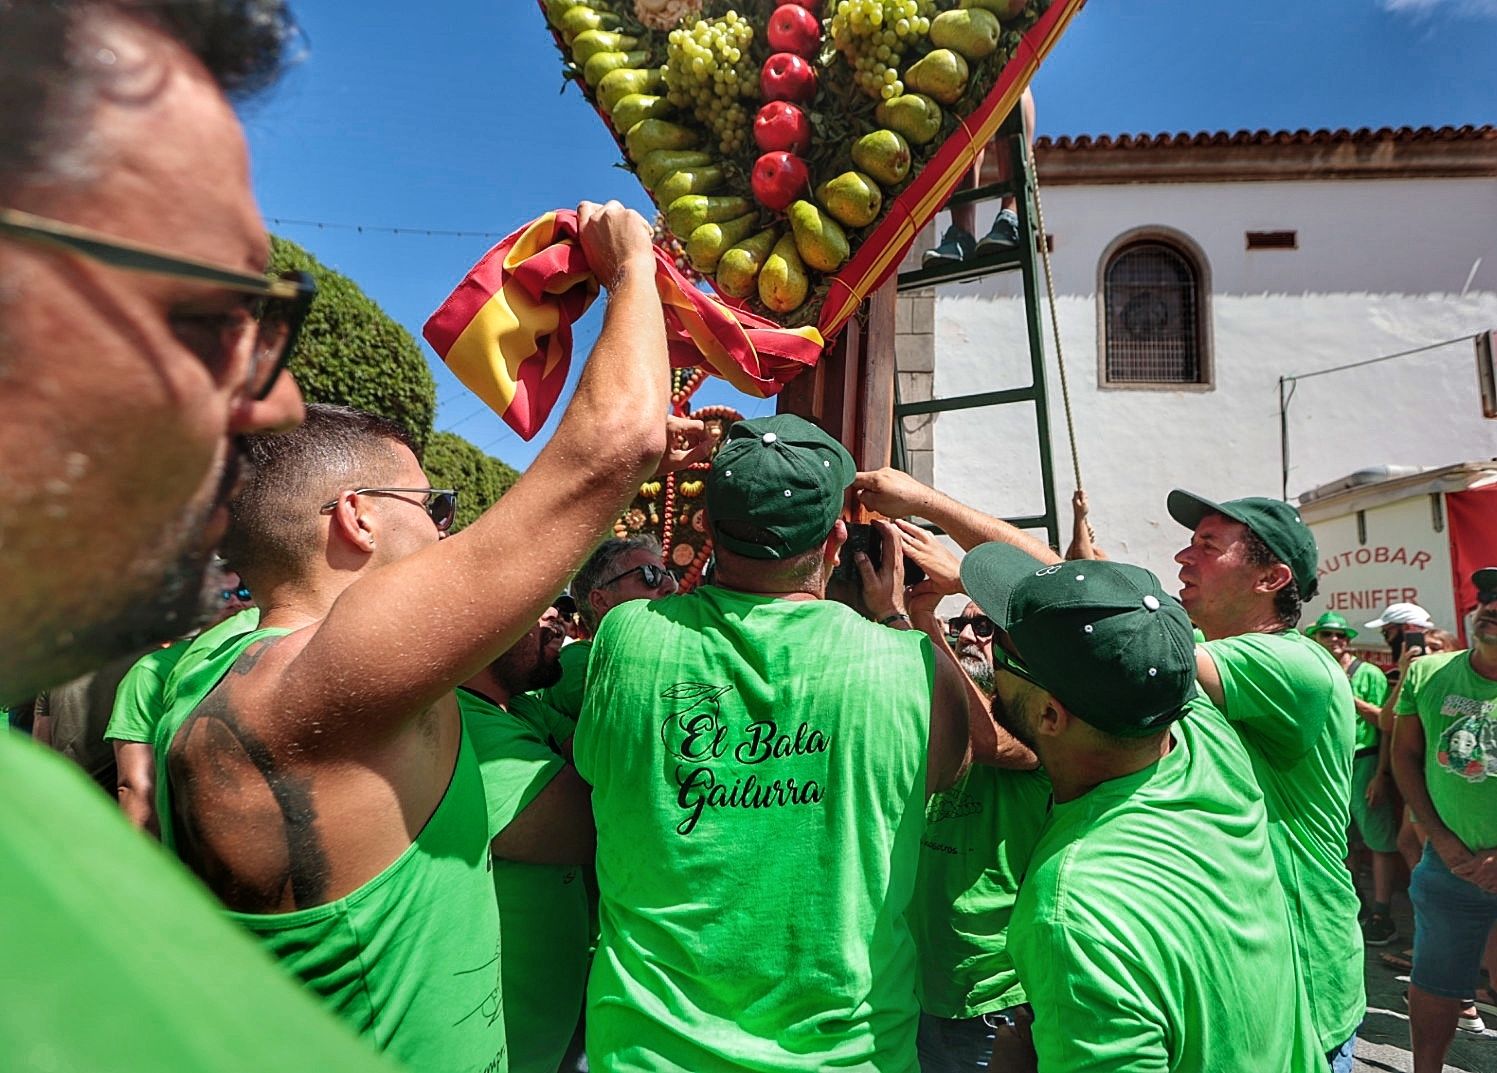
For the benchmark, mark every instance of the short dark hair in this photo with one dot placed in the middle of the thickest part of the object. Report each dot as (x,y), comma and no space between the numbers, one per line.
(1287,602)
(273,516)
(599,567)
(50,72)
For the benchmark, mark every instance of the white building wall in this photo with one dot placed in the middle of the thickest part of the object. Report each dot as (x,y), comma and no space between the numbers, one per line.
(1382,266)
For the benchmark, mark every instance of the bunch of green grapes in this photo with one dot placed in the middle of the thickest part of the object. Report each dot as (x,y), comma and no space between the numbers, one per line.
(708,70)
(873,35)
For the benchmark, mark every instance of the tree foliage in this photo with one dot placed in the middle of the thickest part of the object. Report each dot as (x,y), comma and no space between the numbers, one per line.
(453,462)
(353,353)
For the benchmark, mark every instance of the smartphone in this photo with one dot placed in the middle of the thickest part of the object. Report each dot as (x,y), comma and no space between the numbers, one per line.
(1413,639)
(869,540)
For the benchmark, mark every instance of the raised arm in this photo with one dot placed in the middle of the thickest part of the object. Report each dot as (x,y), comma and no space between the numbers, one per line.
(897,494)
(397,640)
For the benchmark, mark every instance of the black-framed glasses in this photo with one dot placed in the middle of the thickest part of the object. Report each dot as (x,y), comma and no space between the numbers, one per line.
(982,626)
(440,504)
(269,323)
(241,593)
(653,576)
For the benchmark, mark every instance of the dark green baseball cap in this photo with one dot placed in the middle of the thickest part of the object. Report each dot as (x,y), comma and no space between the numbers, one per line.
(777,485)
(1102,637)
(1277,524)
(1485,579)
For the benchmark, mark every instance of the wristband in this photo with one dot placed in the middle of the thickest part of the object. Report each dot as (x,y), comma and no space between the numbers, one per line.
(887,619)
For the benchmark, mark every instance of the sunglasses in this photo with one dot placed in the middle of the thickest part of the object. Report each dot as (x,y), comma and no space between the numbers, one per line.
(266,325)
(654,576)
(982,626)
(440,504)
(1333,635)
(241,593)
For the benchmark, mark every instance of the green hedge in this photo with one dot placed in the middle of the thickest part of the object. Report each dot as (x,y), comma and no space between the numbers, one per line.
(352,352)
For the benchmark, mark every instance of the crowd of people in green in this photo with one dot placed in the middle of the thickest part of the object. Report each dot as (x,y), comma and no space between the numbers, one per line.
(411,810)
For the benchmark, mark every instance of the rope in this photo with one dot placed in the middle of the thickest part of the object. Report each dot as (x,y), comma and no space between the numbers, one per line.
(1060,358)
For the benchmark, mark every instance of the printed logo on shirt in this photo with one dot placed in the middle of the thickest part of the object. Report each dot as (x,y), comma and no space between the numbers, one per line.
(1454,706)
(696,733)
(1468,747)
(952,804)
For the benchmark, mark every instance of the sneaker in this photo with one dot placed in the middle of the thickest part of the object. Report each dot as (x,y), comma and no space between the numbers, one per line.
(1470,1020)
(955,247)
(1379,930)
(1003,236)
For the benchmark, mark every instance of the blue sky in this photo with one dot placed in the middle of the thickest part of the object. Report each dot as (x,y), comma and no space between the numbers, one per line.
(449,117)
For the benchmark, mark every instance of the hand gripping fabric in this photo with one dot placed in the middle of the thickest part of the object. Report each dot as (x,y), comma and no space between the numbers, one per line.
(506,331)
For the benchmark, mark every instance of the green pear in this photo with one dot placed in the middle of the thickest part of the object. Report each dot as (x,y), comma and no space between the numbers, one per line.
(685,181)
(783,284)
(884,154)
(709,242)
(556,9)
(941,74)
(622,81)
(600,63)
(649,134)
(739,267)
(973,32)
(686,214)
(819,240)
(914,115)
(580,17)
(852,198)
(589,43)
(637,107)
(1004,9)
(658,164)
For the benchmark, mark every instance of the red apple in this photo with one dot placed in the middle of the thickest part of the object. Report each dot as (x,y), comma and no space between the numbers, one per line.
(781,125)
(778,179)
(793,28)
(787,77)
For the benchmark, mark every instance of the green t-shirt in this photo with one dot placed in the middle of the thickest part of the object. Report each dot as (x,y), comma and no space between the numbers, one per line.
(1151,934)
(411,959)
(758,770)
(543,912)
(1458,709)
(566,695)
(1368,683)
(113,958)
(140,700)
(1291,704)
(978,838)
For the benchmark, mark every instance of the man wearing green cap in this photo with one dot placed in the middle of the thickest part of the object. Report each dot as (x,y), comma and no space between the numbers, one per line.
(1372,810)
(760,759)
(1445,757)
(1150,933)
(1249,564)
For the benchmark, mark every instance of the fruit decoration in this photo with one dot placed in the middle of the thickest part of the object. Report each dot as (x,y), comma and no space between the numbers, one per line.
(796,146)
(671,507)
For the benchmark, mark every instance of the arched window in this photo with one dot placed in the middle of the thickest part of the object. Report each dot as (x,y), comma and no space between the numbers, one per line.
(1153,316)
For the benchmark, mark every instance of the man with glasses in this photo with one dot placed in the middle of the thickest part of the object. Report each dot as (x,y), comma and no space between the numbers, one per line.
(1445,760)
(1372,807)
(978,837)
(317,775)
(621,569)
(131,365)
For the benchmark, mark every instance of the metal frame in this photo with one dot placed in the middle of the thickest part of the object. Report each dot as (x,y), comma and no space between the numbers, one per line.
(1025,259)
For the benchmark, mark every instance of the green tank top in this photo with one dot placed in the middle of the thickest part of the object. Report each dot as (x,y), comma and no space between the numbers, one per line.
(410,960)
(758,770)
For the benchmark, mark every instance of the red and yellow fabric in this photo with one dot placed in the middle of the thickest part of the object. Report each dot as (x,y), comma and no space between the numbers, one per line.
(506,331)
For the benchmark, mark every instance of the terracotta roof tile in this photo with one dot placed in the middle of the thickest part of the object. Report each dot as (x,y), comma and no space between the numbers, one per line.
(1361,136)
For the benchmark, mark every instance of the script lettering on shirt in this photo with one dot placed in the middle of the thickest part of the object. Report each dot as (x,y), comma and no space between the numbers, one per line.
(696,733)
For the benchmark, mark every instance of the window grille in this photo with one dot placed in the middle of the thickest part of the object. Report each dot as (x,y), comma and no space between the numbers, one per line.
(1152,298)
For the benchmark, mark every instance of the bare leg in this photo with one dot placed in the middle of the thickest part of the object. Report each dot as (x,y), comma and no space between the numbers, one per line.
(1384,865)
(1431,1028)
